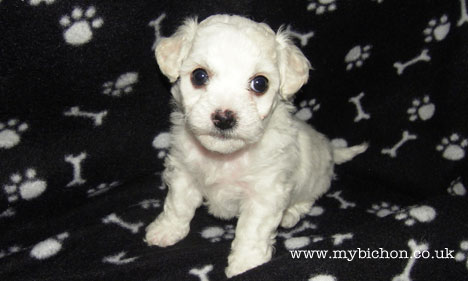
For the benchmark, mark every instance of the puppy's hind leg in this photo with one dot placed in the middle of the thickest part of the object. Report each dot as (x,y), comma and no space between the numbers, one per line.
(293,214)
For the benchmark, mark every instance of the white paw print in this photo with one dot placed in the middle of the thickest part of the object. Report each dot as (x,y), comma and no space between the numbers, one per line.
(294,243)
(123,85)
(37,2)
(339,143)
(383,209)
(437,29)
(149,204)
(79,26)
(8,213)
(27,187)
(10,134)
(462,255)
(323,277)
(316,211)
(162,142)
(162,186)
(49,247)
(457,188)
(216,233)
(10,251)
(356,56)
(422,110)
(102,188)
(453,148)
(419,213)
(322,6)
(306,109)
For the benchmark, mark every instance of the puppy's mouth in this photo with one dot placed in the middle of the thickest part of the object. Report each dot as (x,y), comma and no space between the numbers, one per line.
(221,142)
(223,135)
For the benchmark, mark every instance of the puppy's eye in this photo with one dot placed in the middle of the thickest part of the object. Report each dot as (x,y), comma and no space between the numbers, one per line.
(259,84)
(199,77)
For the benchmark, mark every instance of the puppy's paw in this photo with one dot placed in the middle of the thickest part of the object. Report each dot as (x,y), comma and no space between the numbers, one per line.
(293,214)
(238,264)
(163,233)
(237,268)
(289,219)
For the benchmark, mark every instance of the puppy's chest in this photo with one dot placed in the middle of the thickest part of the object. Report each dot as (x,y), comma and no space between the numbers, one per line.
(226,174)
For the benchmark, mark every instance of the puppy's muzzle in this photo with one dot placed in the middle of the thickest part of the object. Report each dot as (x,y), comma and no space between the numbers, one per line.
(224,120)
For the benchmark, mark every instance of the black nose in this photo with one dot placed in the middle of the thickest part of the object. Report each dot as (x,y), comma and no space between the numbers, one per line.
(224,120)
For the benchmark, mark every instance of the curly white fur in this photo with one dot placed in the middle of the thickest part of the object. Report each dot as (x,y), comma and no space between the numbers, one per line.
(270,167)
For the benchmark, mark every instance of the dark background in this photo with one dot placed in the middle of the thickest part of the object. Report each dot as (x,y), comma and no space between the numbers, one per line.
(42,76)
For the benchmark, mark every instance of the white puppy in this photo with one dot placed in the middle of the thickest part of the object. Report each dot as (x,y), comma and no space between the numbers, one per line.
(234,140)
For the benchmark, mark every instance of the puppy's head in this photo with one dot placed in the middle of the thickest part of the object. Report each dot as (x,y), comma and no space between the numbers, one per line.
(229,73)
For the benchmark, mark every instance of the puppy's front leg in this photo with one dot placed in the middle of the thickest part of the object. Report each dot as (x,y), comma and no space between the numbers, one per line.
(255,235)
(173,224)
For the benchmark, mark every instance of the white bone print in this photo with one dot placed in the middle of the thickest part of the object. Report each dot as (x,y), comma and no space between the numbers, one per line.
(303,38)
(118,259)
(113,218)
(75,161)
(360,112)
(202,273)
(415,247)
(96,117)
(401,66)
(392,152)
(464,14)
(343,203)
(156,24)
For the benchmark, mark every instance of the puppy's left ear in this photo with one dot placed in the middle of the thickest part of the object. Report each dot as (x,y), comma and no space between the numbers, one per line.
(171,51)
(293,65)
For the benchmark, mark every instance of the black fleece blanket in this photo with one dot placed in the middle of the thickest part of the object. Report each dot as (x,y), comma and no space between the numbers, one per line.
(83,133)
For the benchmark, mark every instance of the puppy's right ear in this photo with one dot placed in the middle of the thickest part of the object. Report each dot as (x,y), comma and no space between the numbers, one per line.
(171,51)
(293,65)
